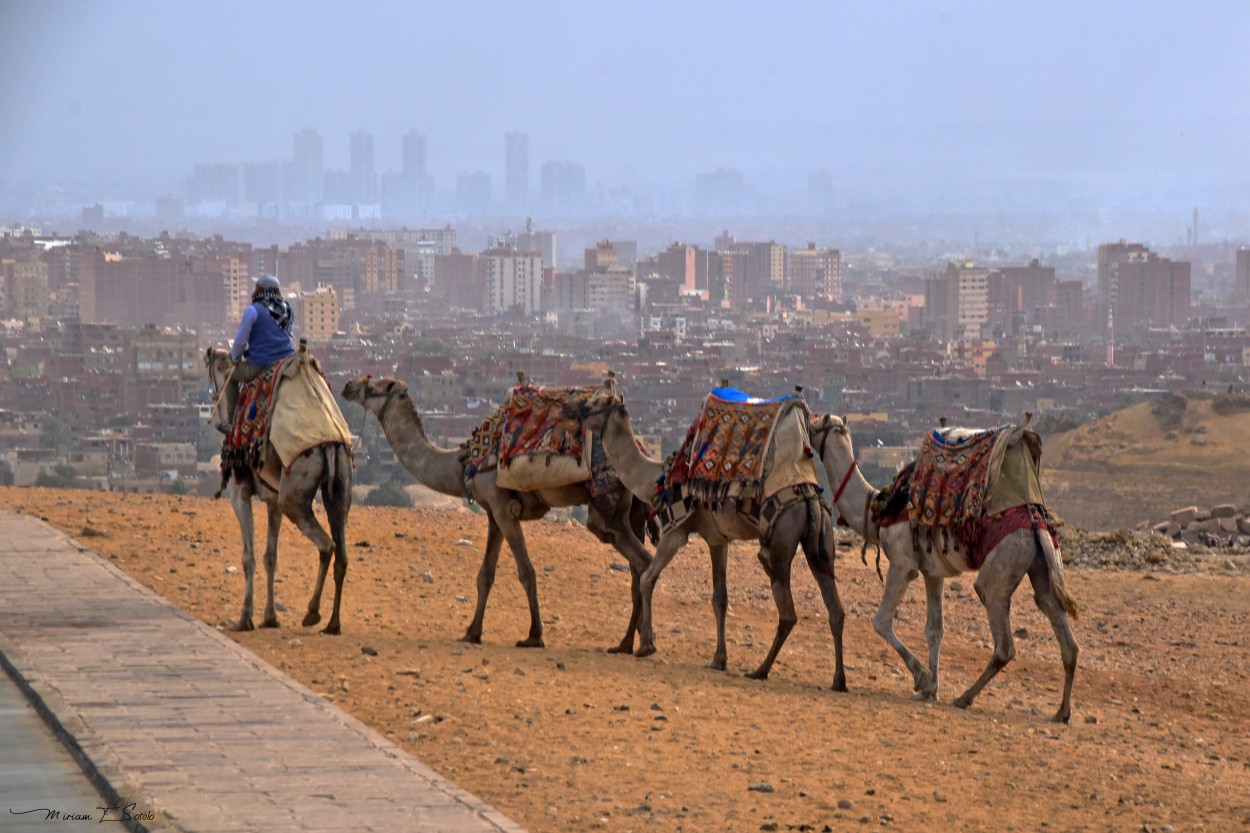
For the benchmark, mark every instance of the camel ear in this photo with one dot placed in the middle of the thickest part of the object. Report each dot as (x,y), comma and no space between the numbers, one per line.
(609,383)
(846,423)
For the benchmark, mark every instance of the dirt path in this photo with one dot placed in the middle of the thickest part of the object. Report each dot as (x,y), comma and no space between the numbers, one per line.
(571,738)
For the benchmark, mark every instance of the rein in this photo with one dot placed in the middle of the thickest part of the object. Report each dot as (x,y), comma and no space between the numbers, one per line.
(846,479)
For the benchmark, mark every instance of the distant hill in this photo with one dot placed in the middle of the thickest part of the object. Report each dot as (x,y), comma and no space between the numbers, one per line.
(1141,463)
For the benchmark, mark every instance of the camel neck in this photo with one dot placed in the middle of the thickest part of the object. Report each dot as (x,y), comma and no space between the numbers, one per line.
(437,468)
(637,471)
(852,495)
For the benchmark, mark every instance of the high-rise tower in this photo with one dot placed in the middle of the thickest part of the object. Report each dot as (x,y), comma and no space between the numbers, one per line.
(516,171)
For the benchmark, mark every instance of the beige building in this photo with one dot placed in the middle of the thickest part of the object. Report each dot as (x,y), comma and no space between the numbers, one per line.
(513,278)
(163,353)
(318,315)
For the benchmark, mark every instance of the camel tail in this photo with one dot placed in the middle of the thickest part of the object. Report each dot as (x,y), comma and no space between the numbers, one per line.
(1054,564)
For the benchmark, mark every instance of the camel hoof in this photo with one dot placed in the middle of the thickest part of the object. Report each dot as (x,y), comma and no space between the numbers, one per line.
(922,696)
(962,703)
(623,648)
(243,625)
(1061,716)
(332,629)
(270,623)
(471,638)
(532,642)
(644,651)
(718,664)
(311,618)
(922,682)
(757,674)
(839,685)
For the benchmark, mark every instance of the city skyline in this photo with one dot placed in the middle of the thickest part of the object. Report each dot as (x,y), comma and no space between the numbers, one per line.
(1106,103)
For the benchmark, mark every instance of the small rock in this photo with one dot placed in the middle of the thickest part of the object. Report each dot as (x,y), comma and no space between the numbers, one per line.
(427,577)
(501,760)
(957,587)
(1091,719)
(518,671)
(618,567)
(768,825)
(464,542)
(425,718)
(232,569)
(362,544)
(656,707)
(1230,564)
(1021,633)
(560,665)
(621,708)
(846,804)
(761,787)
(368,651)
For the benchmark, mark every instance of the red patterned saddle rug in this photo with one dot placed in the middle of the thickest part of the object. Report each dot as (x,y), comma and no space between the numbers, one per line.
(244,446)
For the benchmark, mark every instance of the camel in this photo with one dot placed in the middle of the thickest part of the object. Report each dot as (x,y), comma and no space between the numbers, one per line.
(800,523)
(1021,552)
(328,470)
(614,518)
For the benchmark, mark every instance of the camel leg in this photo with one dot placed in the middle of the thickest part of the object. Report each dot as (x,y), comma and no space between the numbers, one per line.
(821,564)
(512,533)
(720,602)
(995,584)
(627,544)
(1049,604)
(670,543)
(300,513)
(779,577)
(897,578)
(933,632)
(241,502)
(271,561)
(485,580)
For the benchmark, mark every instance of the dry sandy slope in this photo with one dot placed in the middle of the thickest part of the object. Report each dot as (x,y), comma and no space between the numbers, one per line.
(571,738)
(1132,466)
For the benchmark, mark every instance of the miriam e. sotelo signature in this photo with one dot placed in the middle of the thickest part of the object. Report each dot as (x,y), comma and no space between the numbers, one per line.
(113,812)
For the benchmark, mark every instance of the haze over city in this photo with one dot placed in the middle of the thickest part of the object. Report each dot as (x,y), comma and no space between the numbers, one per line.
(963,108)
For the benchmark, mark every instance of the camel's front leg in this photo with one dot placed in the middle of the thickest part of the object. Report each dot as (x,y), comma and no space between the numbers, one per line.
(485,580)
(271,562)
(933,631)
(241,502)
(897,579)
(670,543)
(720,602)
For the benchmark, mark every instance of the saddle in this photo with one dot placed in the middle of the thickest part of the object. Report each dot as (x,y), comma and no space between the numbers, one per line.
(974,486)
(532,446)
(740,450)
(285,412)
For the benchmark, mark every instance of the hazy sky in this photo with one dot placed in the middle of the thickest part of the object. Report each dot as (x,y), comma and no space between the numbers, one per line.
(641,90)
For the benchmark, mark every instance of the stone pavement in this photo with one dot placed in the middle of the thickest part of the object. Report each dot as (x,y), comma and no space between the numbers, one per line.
(194,731)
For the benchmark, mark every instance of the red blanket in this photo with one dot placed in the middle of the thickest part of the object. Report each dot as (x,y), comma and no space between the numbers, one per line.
(533,424)
(244,446)
(994,528)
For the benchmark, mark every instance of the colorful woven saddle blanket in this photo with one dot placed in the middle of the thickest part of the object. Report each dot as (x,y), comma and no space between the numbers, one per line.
(951,478)
(244,446)
(529,426)
(889,506)
(739,447)
(533,425)
(289,407)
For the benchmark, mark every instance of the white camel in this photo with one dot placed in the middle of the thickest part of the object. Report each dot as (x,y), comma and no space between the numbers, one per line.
(1023,552)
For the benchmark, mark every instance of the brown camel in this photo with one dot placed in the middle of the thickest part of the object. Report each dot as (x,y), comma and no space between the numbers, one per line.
(614,518)
(803,523)
(1021,553)
(328,470)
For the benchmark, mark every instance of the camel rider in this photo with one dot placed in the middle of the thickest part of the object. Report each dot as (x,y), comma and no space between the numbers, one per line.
(263,338)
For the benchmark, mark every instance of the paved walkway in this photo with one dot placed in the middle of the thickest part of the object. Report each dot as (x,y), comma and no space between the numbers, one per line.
(196,732)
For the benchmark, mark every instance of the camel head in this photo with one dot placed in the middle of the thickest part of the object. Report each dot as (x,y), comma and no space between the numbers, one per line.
(831,438)
(375,394)
(592,411)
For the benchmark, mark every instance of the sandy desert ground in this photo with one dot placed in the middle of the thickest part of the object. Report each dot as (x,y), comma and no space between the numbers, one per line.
(569,737)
